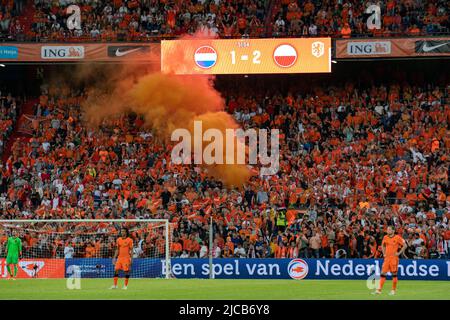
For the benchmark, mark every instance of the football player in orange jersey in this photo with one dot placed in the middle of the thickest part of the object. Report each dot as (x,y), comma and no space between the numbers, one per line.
(123,254)
(390,245)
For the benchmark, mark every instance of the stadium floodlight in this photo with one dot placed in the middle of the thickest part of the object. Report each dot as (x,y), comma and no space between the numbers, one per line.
(53,248)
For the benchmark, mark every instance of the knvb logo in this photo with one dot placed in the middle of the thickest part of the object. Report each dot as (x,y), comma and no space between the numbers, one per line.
(62,52)
(317,49)
(230,146)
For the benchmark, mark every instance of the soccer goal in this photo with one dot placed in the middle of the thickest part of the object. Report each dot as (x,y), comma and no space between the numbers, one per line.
(86,248)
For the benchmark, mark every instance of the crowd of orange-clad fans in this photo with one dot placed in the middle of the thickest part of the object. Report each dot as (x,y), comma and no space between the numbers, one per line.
(8,117)
(349,18)
(143,20)
(353,161)
(135,20)
(10,26)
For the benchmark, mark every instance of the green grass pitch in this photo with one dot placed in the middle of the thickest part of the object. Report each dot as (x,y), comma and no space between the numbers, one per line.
(168,289)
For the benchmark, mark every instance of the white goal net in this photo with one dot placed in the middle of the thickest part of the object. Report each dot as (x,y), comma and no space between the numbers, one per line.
(61,248)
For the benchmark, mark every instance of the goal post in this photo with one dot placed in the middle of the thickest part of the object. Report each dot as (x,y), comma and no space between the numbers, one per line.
(63,248)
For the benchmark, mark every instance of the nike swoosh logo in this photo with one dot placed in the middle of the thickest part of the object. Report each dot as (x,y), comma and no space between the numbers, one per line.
(426,48)
(123,53)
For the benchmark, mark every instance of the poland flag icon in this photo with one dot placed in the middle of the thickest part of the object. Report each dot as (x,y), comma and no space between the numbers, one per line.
(285,55)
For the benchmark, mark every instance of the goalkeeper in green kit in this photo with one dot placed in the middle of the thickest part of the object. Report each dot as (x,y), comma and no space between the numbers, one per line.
(13,252)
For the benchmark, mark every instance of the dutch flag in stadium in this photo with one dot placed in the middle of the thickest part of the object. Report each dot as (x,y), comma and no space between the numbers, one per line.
(285,55)
(205,57)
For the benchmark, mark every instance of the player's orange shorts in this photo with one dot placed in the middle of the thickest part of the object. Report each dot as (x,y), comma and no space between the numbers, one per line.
(390,264)
(123,264)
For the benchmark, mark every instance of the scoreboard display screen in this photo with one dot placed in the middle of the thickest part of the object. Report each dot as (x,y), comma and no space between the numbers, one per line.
(246,56)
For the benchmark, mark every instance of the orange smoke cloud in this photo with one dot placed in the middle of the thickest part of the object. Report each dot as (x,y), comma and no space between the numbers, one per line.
(167,102)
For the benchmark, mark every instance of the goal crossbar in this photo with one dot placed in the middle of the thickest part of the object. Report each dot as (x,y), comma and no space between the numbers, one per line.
(80,220)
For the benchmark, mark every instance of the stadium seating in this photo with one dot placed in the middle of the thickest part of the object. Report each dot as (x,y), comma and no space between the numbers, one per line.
(8,117)
(10,20)
(353,160)
(345,18)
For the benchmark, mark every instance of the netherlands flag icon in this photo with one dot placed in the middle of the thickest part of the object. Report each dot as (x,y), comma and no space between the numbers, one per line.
(205,57)
(285,55)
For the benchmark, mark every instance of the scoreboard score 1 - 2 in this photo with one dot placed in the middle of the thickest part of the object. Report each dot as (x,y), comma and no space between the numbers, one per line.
(246,56)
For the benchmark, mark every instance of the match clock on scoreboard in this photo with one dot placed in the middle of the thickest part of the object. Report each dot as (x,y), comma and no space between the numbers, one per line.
(246,56)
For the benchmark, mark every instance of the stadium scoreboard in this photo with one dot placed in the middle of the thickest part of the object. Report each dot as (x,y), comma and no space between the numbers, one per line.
(246,56)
